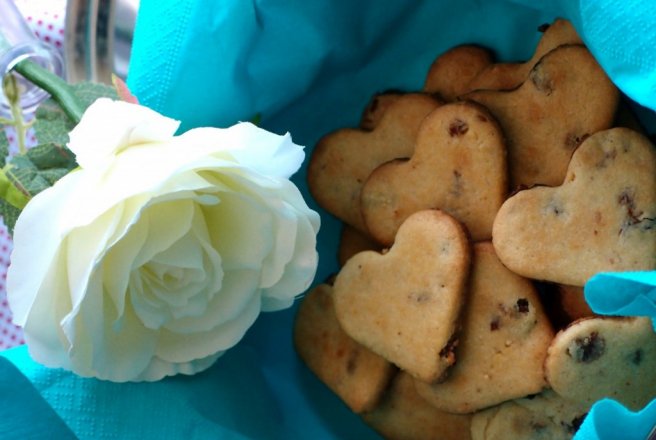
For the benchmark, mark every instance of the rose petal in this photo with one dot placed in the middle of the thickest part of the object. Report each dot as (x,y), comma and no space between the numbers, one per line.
(158,368)
(299,271)
(45,339)
(114,350)
(240,229)
(93,140)
(239,286)
(253,148)
(118,264)
(36,244)
(177,347)
(83,250)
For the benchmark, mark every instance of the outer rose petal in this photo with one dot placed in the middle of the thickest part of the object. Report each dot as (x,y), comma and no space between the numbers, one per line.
(95,139)
(250,147)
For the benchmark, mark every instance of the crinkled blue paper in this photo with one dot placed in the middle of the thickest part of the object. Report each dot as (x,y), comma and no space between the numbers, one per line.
(309,67)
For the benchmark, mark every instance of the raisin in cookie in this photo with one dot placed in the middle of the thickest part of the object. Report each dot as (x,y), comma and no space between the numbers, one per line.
(602,218)
(602,357)
(503,343)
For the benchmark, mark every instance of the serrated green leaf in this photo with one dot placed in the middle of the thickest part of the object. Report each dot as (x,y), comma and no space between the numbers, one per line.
(9,214)
(25,176)
(52,125)
(88,92)
(40,168)
(53,175)
(10,193)
(4,147)
(46,156)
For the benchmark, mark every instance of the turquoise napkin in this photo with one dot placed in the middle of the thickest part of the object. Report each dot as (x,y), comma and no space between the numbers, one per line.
(309,67)
(24,414)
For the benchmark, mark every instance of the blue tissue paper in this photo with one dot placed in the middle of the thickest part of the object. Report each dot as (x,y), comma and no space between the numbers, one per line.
(307,68)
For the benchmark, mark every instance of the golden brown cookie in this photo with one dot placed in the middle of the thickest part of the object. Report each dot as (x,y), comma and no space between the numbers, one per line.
(465,68)
(351,242)
(405,305)
(376,108)
(499,76)
(458,165)
(601,219)
(545,416)
(451,73)
(343,160)
(404,415)
(503,343)
(351,371)
(566,98)
(602,357)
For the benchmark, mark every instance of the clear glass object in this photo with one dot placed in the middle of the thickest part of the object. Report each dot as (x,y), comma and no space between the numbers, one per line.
(98,38)
(17,43)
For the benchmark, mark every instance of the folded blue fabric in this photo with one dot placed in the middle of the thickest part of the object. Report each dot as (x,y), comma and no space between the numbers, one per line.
(309,67)
(24,414)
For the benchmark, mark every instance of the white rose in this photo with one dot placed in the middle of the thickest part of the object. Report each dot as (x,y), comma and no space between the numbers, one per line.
(160,251)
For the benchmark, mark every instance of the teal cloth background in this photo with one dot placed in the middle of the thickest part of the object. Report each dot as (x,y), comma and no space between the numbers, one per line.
(309,67)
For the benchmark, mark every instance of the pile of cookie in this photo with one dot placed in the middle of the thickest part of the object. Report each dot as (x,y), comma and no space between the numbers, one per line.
(474,211)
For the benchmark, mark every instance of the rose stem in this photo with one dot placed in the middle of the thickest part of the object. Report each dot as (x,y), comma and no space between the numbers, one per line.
(59,89)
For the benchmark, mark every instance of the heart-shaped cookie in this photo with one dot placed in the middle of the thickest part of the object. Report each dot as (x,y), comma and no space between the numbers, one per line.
(404,415)
(602,357)
(503,343)
(376,108)
(499,76)
(343,160)
(458,165)
(405,304)
(466,68)
(566,97)
(602,218)
(539,417)
(451,73)
(357,375)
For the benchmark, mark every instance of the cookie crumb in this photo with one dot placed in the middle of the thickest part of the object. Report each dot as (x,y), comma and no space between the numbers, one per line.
(448,351)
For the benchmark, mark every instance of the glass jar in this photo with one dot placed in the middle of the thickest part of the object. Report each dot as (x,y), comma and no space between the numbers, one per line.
(17,43)
(98,38)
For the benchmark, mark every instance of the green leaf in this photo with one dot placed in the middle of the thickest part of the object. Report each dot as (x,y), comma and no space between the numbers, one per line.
(46,156)
(4,147)
(52,125)
(9,214)
(40,168)
(88,92)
